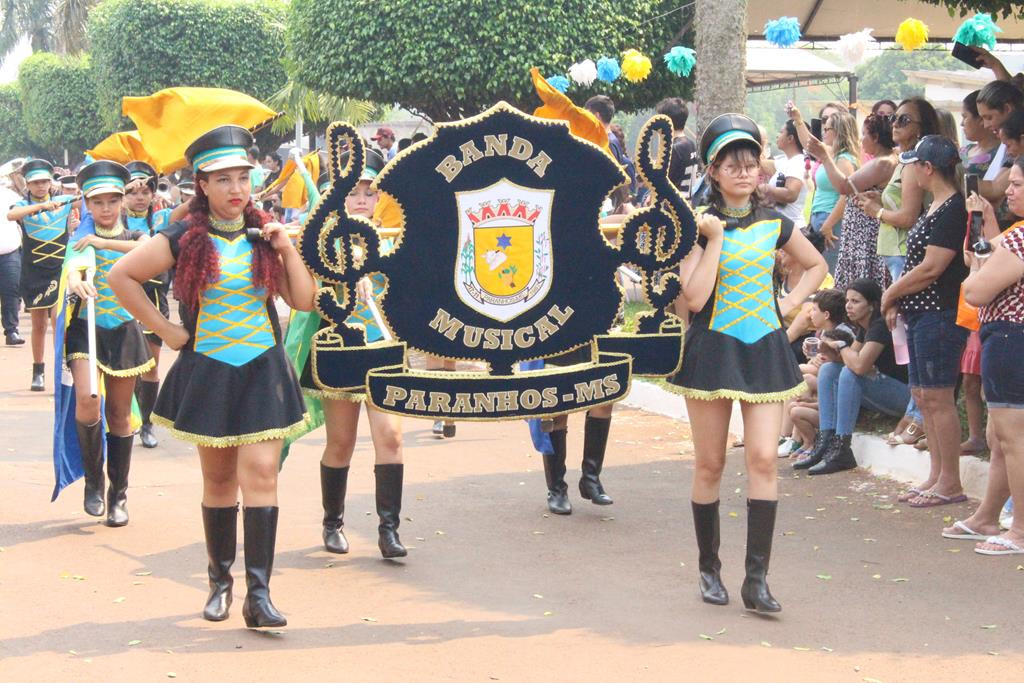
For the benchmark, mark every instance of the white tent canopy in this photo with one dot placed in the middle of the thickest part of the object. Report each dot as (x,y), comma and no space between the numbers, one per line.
(829,19)
(772,68)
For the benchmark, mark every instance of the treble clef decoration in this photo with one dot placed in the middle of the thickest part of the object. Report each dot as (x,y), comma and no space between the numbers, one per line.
(656,238)
(338,248)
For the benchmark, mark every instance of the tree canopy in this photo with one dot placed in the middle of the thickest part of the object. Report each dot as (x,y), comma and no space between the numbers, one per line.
(58,97)
(882,78)
(13,136)
(997,8)
(453,59)
(141,46)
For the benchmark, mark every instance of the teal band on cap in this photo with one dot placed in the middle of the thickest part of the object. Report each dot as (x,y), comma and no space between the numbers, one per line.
(206,158)
(140,174)
(368,174)
(102,181)
(38,174)
(727,138)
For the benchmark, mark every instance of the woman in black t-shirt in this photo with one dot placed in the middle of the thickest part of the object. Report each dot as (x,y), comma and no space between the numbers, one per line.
(863,373)
(926,296)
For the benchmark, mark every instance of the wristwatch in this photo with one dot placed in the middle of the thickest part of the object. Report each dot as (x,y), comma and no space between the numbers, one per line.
(878,214)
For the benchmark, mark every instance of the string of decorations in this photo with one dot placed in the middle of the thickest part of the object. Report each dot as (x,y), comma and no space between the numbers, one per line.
(784,32)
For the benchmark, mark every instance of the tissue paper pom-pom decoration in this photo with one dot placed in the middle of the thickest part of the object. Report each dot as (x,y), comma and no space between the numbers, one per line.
(584,73)
(852,47)
(559,83)
(680,60)
(912,34)
(608,69)
(635,66)
(979,31)
(782,32)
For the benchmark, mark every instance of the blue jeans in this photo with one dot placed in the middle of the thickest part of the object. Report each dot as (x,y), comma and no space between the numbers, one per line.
(936,344)
(895,265)
(10,299)
(831,254)
(1002,373)
(841,393)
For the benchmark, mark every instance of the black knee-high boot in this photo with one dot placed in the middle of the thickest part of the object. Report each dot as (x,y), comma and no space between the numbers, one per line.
(706,525)
(221,528)
(90,443)
(595,441)
(389,509)
(119,460)
(333,483)
(260,528)
(145,392)
(760,529)
(554,474)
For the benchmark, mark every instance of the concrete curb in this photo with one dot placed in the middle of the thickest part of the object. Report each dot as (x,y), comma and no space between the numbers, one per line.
(902,463)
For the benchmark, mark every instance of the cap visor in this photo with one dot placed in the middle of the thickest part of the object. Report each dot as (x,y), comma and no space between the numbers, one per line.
(37,175)
(226,163)
(104,189)
(909,157)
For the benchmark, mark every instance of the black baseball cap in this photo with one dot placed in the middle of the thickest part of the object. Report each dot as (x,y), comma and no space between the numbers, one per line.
(937,150)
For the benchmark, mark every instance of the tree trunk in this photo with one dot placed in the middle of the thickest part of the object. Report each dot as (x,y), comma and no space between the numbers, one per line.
(721,32)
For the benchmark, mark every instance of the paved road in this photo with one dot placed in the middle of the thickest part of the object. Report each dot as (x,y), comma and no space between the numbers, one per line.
(493,588)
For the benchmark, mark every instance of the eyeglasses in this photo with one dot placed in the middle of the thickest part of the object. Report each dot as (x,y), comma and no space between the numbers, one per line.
(901,120)
(736,171)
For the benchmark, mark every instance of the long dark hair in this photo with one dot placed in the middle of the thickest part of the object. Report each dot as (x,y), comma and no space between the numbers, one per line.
(198,264)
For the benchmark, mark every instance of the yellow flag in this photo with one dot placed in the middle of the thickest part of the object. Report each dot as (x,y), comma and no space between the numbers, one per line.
(559,107)
(169,120)
(122,148)
(293,196)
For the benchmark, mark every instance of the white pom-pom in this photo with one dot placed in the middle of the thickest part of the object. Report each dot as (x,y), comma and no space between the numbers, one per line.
(853,47)
(584,73)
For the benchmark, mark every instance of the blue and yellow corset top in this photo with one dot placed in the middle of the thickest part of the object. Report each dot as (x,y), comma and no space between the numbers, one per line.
(744,298)
(109,311)
(233,326)
(46,234)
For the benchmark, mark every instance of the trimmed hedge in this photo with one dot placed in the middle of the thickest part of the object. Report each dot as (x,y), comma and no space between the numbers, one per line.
(58,97)
(14,140)
(456,58)
(141,46)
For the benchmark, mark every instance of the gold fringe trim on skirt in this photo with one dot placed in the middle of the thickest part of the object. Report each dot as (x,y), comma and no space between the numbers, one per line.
(234,439)
(735,395)
(130,372)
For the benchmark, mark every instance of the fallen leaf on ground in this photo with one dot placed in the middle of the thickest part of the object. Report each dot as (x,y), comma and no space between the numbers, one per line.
(802,649)
(705,636)
(947,519)
(719,632)
(765,643)
(535,533)
(420,538)
(371,619)
(72,652)
(441,533)
(548,614)
(143,573)
(876,576)
(118,600)
(994,654)
(607,519)
(538,596)
(132,643)
(953,550)
(171,674)
(825,577)
(988,627)
(827,649)
(900,579)
(733,514)
(854,519)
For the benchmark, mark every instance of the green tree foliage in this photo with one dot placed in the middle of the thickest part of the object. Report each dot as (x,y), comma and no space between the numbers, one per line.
(882,78)
(141,46)
(58,97)
(997,8)
(452,59)
(14,140)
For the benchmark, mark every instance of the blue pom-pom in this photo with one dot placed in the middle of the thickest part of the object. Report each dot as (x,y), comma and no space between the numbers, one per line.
(559,83)
(680,60)
(783,32)
(608,69)
(979,31)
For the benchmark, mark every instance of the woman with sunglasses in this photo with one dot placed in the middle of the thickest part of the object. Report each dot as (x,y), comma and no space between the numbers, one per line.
(926,296)
(736,348)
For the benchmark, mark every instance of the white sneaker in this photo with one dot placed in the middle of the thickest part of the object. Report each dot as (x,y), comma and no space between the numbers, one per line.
(787,447)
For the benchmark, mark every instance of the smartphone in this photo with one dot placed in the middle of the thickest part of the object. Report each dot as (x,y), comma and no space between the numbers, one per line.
(816,128)
(968,56)
(976,241)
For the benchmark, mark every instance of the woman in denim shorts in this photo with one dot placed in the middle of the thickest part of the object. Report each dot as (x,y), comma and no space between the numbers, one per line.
(926,296)
(998,287)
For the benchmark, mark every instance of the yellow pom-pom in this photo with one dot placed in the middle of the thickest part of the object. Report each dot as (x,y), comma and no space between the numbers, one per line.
(912,34)
(635,66)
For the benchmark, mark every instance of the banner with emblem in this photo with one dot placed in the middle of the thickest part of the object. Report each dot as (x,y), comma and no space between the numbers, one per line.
(500,260)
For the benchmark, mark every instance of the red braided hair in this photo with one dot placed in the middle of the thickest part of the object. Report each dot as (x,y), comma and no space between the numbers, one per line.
(198,264)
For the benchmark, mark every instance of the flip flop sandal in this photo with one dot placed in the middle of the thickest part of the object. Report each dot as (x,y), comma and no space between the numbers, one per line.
(909,495)
(1008,547)
(964,533)
(932,499)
